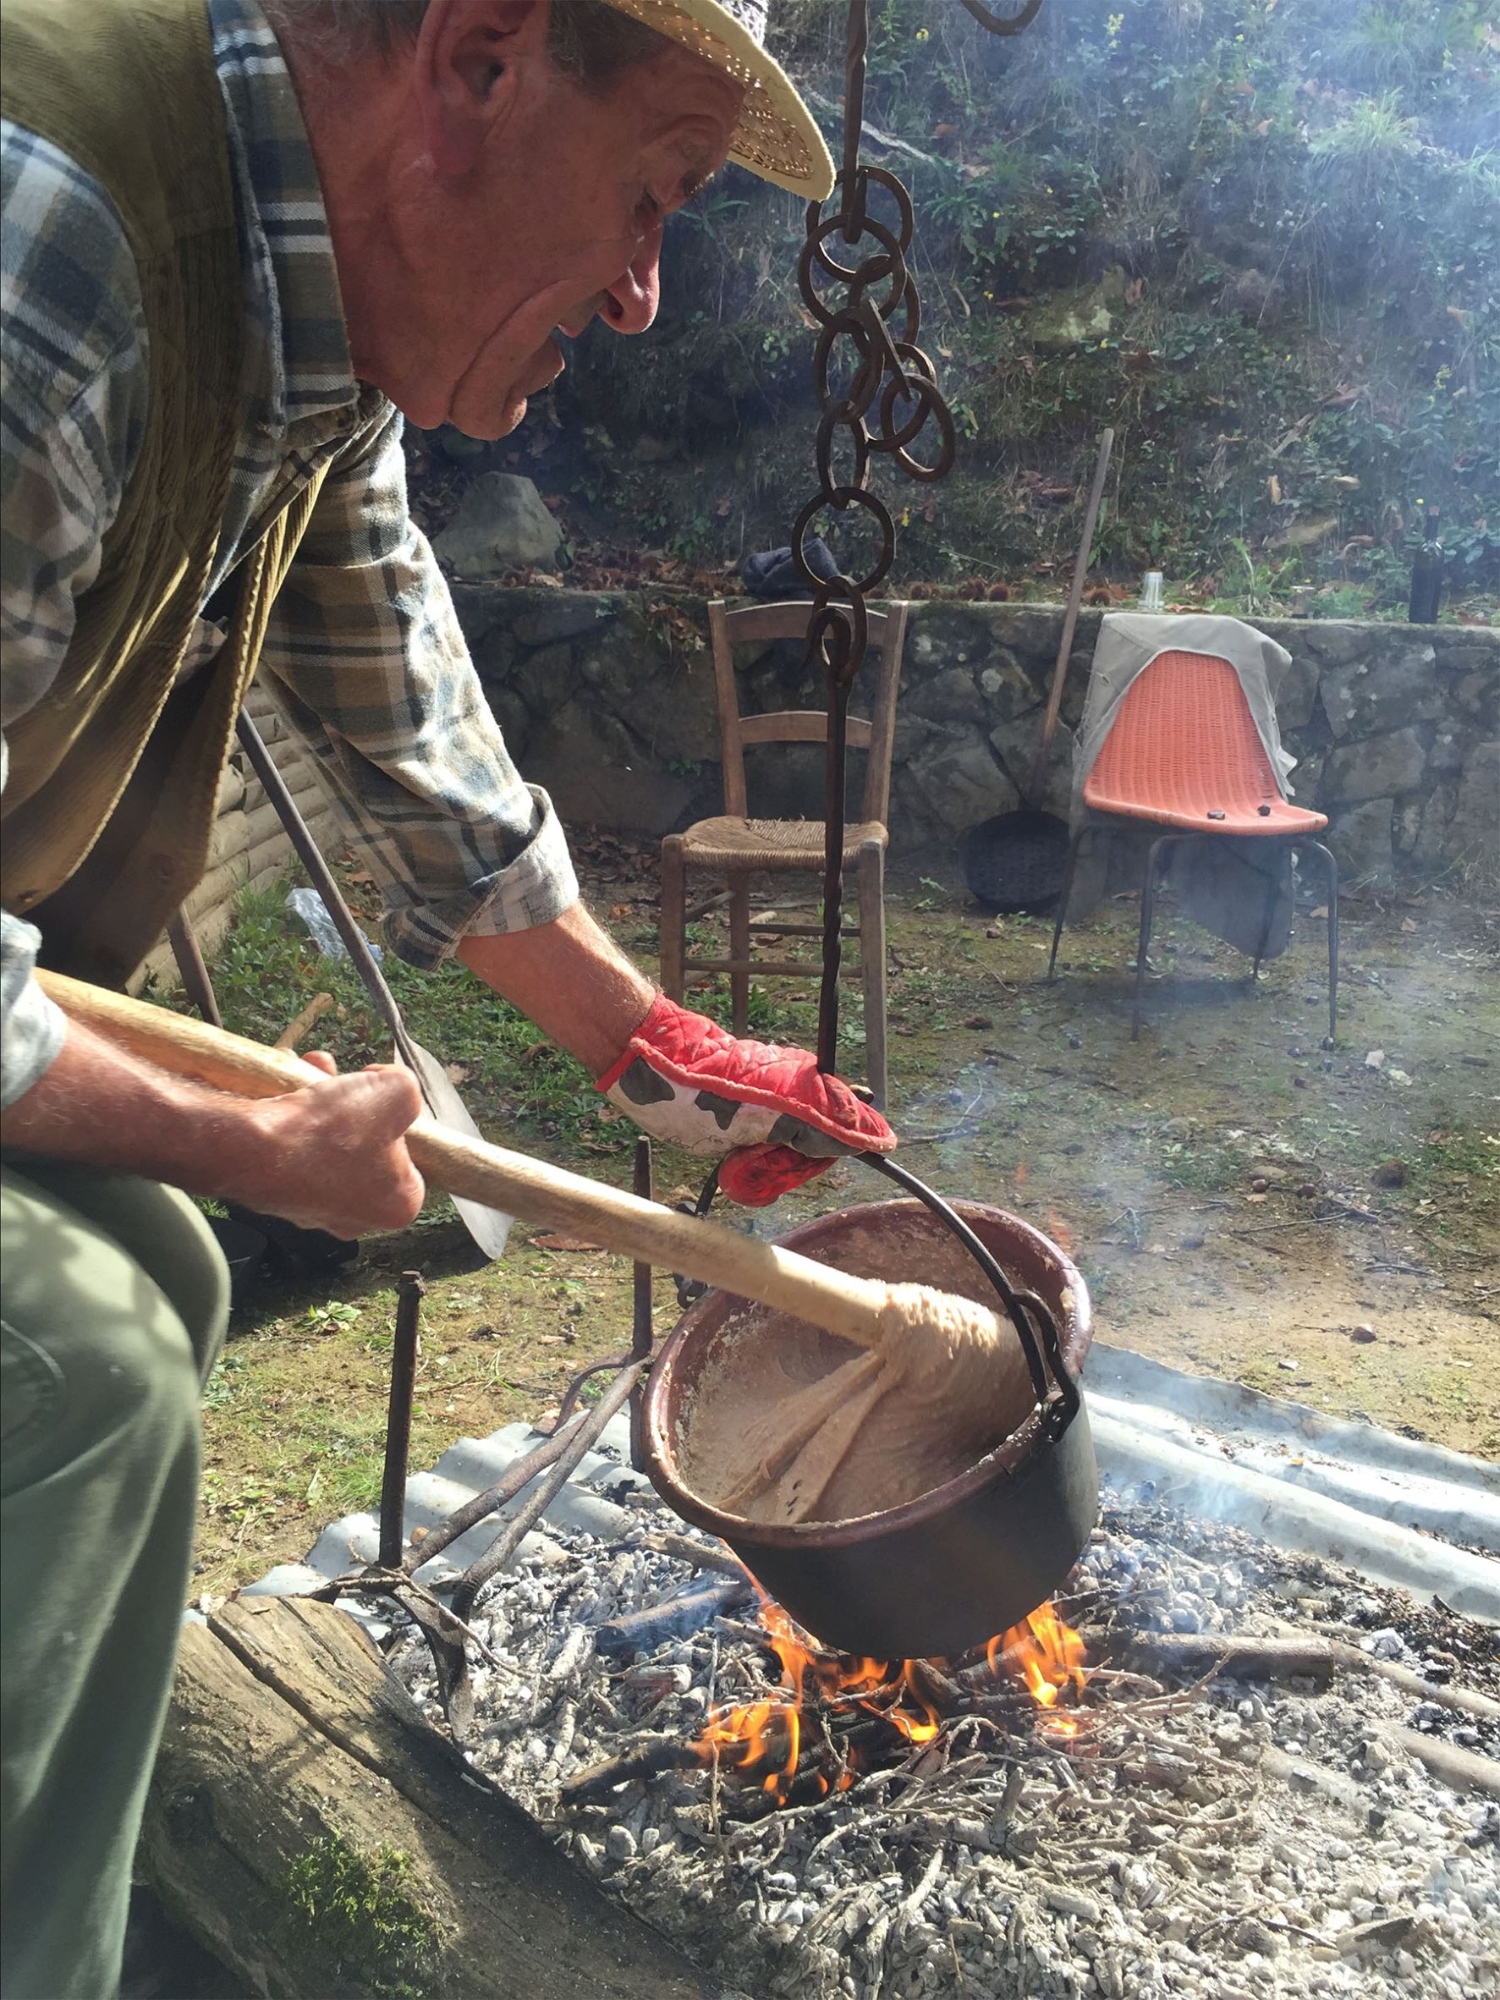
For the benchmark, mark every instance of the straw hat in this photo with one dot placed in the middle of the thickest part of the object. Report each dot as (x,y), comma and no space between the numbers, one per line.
(776,136)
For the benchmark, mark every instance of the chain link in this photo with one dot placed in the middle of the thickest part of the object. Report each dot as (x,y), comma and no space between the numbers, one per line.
(878,393)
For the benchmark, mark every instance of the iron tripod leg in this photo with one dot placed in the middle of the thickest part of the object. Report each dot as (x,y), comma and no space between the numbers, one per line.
(398,1419)
(1148,906)
(642,1331)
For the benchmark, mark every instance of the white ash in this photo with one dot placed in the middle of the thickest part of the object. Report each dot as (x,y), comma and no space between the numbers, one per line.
(1246,1841)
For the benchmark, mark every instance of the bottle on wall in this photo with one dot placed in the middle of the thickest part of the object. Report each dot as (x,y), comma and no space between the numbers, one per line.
(1427,573)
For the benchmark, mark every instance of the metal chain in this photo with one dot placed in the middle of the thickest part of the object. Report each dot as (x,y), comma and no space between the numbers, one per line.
(878,393)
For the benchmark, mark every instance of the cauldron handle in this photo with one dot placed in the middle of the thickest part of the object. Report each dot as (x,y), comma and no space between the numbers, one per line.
(1022,1307)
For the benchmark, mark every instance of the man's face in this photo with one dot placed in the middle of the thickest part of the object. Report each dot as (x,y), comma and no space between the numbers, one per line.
(530,207)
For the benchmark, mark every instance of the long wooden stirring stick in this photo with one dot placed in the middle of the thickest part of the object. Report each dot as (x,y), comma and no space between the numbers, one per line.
(837,1301)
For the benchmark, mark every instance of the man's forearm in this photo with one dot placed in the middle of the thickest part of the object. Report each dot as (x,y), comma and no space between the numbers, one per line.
(571,979)
(331,1155)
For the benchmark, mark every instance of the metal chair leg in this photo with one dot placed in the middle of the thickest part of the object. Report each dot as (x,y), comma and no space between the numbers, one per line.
(673,934)
(1062,902)
(872,965)
(1333,937)
(1148,905)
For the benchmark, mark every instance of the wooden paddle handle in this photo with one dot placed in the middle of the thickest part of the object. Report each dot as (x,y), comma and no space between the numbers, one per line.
(521,1186)
(1070,620)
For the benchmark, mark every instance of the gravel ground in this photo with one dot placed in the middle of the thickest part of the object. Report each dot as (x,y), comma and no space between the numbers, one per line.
(1230,1838)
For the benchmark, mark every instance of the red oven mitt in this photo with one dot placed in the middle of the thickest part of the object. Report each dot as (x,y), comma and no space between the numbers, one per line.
(770,1110)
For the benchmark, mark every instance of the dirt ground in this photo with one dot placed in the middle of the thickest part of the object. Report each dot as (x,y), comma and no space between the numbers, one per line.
(1322,1224)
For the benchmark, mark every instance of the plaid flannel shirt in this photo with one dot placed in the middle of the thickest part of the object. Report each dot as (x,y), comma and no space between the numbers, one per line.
(364,653)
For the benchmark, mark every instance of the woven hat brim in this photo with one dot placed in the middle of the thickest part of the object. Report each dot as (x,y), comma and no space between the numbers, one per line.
(777,136)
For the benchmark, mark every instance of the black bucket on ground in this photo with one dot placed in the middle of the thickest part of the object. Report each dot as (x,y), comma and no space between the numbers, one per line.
(1016,863)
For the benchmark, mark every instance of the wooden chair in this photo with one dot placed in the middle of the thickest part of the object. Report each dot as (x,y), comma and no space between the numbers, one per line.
(735,846)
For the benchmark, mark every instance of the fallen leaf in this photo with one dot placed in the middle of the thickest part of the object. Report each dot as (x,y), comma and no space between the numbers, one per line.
(1375,1059)
(1407,924)
(554,1242)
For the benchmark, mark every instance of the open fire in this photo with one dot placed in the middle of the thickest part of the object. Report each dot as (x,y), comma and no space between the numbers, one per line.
(1132,1822)
(852,1712)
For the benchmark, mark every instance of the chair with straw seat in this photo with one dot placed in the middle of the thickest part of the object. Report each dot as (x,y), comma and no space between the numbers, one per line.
(735,847)
(1184,752)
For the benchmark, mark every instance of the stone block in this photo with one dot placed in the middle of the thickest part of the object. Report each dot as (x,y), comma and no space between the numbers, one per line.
(1380,767)
(483,611)
(1331,642)
(547,678)
(501,524)
(947,635)
(1382,690)
(514,719)
(1452,741)
(1008,688)
(1305,782)
(1476,821)
(1361,841)
(948,697)
(1016,744)
(961,782)
(1476,695)
(598,775)
(1296,692)
(571,616)
(1431,848)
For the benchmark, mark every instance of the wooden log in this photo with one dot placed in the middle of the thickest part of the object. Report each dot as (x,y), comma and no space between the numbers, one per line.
(1242,1656)
(1465,1770)
(297,1782)
(675,1618)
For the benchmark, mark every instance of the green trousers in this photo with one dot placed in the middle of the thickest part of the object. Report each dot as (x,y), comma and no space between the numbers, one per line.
(113,1302)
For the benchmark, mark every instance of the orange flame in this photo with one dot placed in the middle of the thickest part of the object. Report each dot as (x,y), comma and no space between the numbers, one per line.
(765,1736)
(752,1734)
(1048,1656)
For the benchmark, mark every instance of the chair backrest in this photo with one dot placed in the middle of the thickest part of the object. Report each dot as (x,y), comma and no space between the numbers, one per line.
(1184,733)
(875,734)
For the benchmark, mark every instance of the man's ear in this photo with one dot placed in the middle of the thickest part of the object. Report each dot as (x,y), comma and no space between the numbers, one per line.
(466,61)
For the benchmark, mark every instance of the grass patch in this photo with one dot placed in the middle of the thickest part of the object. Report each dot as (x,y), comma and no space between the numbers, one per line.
(359,1913)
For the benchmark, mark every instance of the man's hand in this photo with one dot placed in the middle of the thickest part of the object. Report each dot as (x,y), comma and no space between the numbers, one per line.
(334,1156)
(677,1074)
(329,1157)
(771,1111)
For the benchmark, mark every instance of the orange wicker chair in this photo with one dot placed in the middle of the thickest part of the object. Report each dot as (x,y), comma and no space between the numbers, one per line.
(735,847)
(1184,752)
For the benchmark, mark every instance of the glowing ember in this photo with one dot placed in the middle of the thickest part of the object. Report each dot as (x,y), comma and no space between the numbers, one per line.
(1043,1653)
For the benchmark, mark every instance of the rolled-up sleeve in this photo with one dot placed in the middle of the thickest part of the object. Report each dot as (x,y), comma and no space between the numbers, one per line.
(365,658)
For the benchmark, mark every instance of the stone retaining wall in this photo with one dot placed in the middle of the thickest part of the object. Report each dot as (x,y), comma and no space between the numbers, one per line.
(608,700)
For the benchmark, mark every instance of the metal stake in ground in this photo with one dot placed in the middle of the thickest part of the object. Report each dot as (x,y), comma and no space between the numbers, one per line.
(409,1292)
(642,1331)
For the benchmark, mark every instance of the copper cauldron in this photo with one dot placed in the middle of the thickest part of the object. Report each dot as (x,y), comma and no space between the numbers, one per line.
(967,1559)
